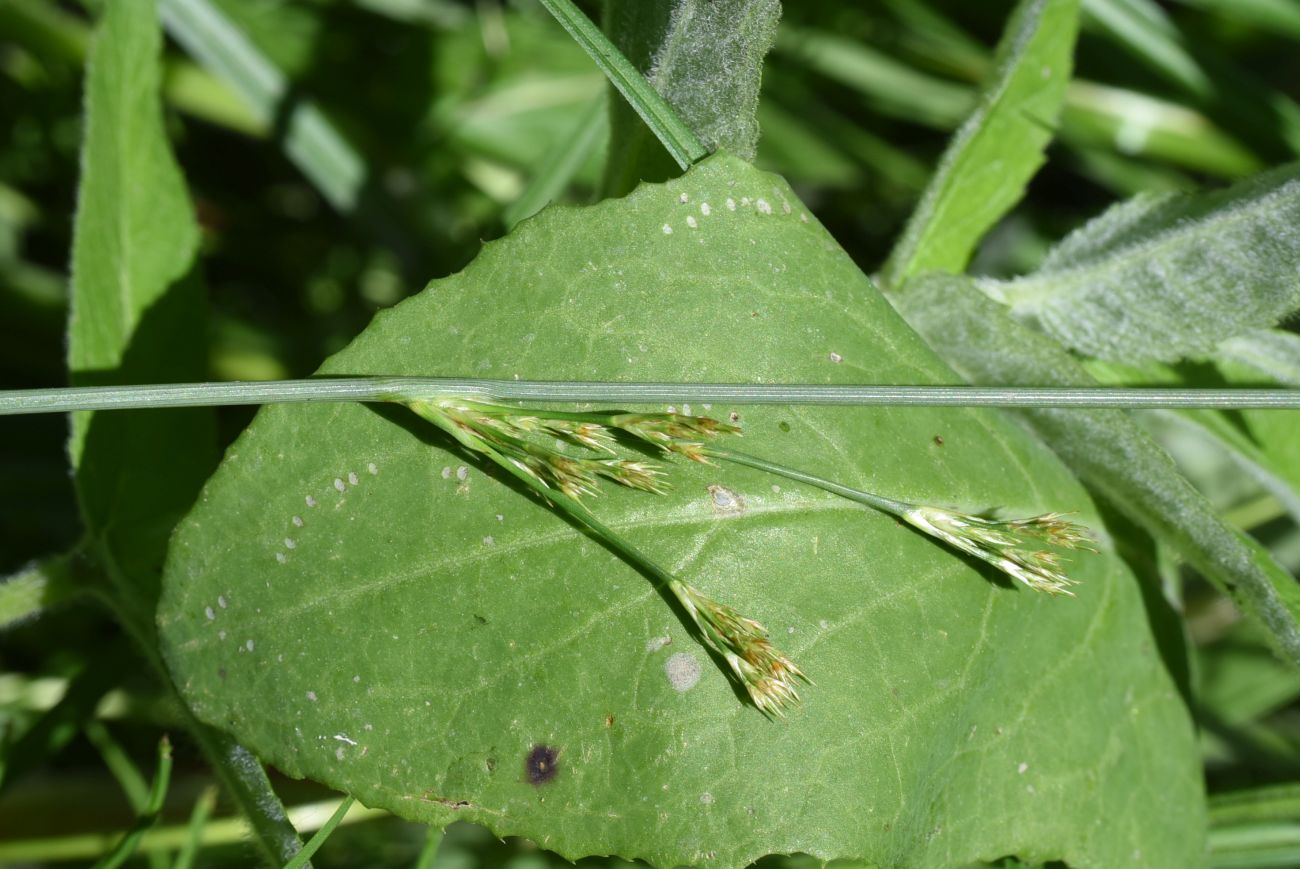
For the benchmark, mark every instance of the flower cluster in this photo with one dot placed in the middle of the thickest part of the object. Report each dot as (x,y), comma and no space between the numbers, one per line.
(1013,546)
(767,675)
(515,435)
(673,432)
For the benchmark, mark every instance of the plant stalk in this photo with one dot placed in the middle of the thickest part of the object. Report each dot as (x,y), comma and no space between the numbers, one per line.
(405,389)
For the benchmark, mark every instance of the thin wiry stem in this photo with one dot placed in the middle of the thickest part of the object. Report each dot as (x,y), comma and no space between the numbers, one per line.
(401,389)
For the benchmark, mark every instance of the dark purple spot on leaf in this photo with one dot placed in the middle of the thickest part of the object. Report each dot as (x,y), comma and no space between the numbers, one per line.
(541,765)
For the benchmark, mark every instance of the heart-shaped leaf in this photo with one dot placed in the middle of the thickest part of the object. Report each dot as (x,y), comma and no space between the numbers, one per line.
(365,605)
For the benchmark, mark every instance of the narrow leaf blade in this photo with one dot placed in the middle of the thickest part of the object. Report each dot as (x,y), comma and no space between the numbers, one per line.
(1000,146)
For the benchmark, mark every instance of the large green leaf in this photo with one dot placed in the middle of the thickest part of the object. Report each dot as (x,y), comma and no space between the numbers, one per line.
(367,606)
(137,315)
(1000,146)
(1163,277)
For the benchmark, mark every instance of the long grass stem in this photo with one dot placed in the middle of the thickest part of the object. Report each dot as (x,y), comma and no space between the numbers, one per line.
(377,389)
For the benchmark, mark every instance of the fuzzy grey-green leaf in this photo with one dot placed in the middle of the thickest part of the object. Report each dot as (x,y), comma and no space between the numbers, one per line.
(1165,277)
(364,604)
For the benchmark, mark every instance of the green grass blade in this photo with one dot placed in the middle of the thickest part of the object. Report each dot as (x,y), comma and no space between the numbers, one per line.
(1254,110)
(668,127)
(888,85)
(429,853)
(313,143)
(313,845)
(1277,16)
(1134,124)
(1279,802)
(202,811)
(983,173)
(148,810)
(560,164)
(1108,452)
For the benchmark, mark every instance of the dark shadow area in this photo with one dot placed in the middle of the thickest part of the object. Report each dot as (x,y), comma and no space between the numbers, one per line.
(141,470)
(1138,550)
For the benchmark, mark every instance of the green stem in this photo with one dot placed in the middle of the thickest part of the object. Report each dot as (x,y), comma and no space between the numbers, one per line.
(878,502)
(148,814)
(405,389)
(203,808)
(562,502)
(429,853)
(313,845)
(680,141)
(222,831)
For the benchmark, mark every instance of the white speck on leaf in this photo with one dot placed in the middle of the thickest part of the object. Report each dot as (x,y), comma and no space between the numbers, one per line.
(290,543)
(297,521)
(668,230)
(488,541)
(705,209)
(280,557)
(691,221)
(353,478)
(221,635)
(249,645)
(683,199)
(706,798)
(221,601)
(446,473)
(683,671)
(654,644)
(338,484)
(731,204)
(1022,767)
(725,500)
(763,206)
(338,753)
(311,695)
(836,358)
(461,473)
(311,502)
(210,613)
(343,737)
(373,469)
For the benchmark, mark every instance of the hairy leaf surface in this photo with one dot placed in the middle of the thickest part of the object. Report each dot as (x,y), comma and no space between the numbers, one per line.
(706,58)
(367,606)
(1168,276)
